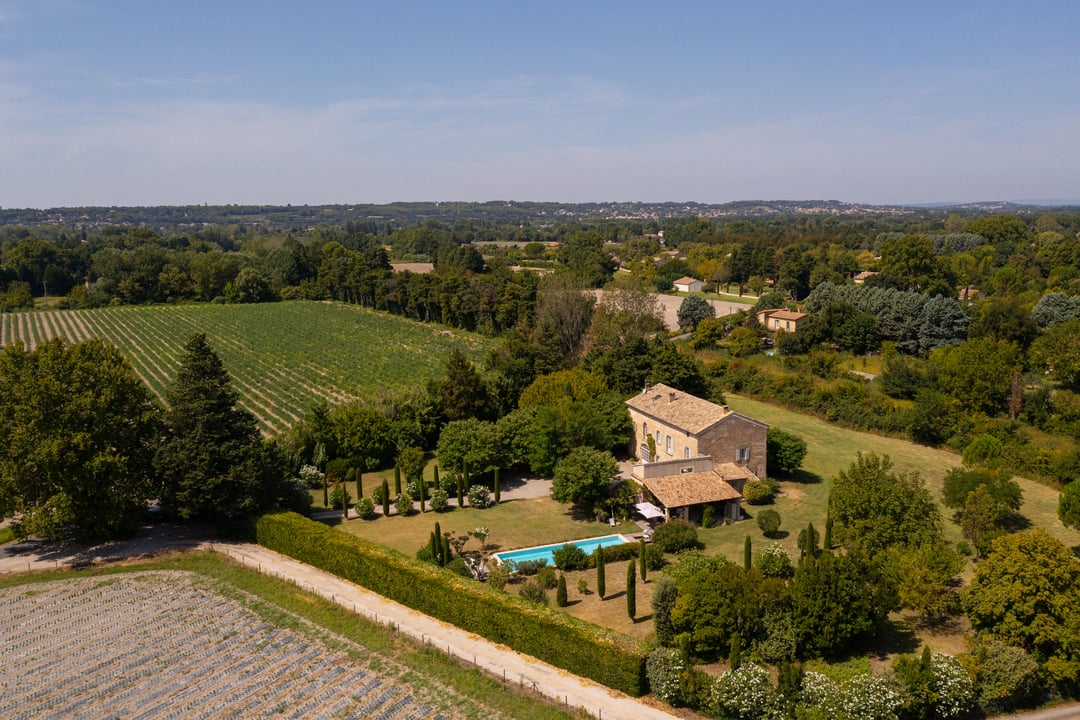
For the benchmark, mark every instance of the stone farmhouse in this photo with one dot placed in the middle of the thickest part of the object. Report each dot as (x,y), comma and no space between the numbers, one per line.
(700,453)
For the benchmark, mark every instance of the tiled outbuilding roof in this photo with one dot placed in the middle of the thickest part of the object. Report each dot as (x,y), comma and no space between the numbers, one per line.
(690,489)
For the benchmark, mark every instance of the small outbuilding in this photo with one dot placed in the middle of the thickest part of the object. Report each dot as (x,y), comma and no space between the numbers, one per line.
(689,285)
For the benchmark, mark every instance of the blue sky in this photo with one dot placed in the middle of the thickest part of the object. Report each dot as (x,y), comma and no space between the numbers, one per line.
(154,102)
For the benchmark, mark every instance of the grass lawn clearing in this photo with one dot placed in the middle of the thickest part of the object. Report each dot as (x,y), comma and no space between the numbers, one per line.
(513,524)
(831,448)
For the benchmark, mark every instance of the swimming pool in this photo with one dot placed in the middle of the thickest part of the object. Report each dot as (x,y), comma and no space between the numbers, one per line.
(546,552)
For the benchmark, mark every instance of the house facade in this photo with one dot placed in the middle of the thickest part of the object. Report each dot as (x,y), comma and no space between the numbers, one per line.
(786,320)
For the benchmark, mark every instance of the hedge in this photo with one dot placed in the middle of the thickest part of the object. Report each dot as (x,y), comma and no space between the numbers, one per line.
(581,648)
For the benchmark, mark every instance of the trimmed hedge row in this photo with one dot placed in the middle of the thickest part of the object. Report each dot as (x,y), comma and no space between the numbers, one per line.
(556,638)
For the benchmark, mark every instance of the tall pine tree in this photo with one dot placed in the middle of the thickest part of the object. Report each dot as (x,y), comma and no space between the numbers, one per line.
(213,464)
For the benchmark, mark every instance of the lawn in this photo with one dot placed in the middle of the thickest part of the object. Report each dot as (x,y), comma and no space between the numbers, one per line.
(831,448)
(513,524)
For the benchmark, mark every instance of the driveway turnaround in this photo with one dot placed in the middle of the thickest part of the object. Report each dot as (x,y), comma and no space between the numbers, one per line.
(497,660)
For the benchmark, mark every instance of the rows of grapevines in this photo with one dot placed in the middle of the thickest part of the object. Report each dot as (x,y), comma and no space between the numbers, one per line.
(283,357)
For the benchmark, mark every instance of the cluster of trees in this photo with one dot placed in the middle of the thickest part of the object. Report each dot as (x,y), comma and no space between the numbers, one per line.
(883,550)
(85,449)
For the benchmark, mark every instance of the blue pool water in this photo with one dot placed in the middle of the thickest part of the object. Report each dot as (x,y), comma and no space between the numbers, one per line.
(546,552)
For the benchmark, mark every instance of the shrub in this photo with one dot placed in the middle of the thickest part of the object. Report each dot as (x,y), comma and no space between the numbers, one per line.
(774,561)
(546,577)
(499,575)
(403,504)
(413,488)
(860,698)
(663,667)
(583,586)
(571,557)
(296,497)
(1006,678)
(378,495)
(768,521)
(654,558)
(707,520)
(479,497)
(534,592)
(448,484)
(365,508)
(760,492)
(311,477)
(785,452)
(440,501)
(952,688)
(335,497)
(552,636)
(676,535)
(529,567)
(745,693)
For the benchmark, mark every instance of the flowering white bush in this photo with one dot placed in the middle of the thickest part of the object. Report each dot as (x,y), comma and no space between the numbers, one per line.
(745,693)
(953,687)
(662,668)
(774,561)
(310,476)
(479,497)
(860,698)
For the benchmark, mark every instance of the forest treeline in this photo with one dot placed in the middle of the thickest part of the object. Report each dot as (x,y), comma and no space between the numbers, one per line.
(976,315)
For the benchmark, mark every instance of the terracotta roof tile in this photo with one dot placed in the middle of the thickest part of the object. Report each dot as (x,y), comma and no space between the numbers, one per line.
(678,409)
(690,489)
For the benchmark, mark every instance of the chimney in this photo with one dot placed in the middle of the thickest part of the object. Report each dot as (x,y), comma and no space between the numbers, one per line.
(646,390)
(671,397)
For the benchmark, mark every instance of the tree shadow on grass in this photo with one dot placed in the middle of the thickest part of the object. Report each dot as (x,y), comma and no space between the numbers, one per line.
(778,535)
(803,477)
(1015,522)
(892,636)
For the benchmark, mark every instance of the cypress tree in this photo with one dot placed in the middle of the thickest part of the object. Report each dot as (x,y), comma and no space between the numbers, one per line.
(359,483)
(446,556)
(385,498)
(422,493)
(326,492)
(747,557)
(436,480)
(601,585)
(497,486)
(631,590)
(397,481)
(433,548)
(460,492)
(735,655)
(641,559)
(465,473)
(560,592)
(344,500)
(827,544)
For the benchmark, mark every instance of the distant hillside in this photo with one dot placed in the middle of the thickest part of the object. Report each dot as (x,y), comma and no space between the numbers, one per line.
(304,217)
